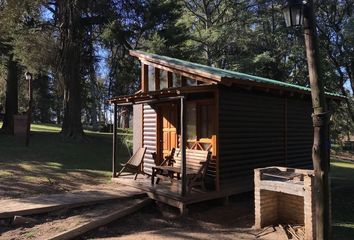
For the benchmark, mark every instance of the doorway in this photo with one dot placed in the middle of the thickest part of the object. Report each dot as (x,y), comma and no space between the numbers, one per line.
(167,130)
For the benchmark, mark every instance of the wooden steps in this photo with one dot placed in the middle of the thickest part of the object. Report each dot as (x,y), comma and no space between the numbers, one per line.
(101,219)
(47,203)
(106,206)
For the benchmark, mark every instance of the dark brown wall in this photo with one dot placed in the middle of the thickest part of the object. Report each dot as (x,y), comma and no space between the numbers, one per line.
(255,131)
(299,134)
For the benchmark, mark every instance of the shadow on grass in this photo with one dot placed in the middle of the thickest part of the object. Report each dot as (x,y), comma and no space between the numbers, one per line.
(342,200)
(93,154)
(51,164)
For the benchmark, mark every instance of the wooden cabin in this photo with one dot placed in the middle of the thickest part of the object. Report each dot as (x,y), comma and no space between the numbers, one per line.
(245,121)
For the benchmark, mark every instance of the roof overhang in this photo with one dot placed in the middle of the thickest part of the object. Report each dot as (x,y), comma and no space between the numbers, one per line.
(188,72)
(169,94)
(191,70)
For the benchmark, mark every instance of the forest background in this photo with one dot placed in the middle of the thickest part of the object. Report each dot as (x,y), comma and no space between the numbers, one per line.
(78,51)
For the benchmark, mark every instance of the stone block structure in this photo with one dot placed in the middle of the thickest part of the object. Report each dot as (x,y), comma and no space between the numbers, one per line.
(285,195)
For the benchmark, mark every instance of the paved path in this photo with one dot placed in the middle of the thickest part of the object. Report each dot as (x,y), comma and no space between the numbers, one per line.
(47,203)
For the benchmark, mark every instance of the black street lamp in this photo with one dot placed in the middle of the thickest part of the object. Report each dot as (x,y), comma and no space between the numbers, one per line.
(29,78)
(294,13)
(299,13)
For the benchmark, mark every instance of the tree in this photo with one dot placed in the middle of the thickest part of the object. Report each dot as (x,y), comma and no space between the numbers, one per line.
(11,102)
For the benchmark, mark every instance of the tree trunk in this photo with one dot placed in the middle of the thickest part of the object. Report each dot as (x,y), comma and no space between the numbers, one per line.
(93,90)
(11,102)
(43,99)
(69,69)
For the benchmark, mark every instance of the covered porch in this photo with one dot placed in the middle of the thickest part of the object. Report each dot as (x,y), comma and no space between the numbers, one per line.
(170,128)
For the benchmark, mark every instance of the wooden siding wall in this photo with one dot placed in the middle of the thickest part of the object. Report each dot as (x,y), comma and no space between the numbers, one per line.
(149,136)
(258,130)
(137,127)
(299,134)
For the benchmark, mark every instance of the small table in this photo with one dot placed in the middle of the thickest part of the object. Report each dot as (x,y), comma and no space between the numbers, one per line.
(171,171)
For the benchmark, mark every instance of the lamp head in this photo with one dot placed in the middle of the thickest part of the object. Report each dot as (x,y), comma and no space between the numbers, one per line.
(294,13)
(28,76)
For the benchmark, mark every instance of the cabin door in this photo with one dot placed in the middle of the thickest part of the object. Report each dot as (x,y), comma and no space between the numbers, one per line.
(167,130)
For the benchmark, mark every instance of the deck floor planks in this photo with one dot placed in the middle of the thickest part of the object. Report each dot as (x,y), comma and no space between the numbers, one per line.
(52,202)
(171,193)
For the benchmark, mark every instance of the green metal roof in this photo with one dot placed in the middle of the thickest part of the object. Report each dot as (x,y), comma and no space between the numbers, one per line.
(222,73)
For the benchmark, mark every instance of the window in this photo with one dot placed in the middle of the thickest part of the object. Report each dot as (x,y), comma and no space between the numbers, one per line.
(176,80)
(151,86)
(199,120)
(191,82)
(205,120)
(163,79)
(191,128)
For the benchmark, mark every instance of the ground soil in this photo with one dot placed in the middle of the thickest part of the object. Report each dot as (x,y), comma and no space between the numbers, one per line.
(158,221)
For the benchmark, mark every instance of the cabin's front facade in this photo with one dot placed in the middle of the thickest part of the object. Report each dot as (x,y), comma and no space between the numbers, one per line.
(246,122)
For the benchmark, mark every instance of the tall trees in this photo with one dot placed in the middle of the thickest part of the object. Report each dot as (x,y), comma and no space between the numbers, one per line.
(65,42)
(70,39)
(336,34)
(11,102)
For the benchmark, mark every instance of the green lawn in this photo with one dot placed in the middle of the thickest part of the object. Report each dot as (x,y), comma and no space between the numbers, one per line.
(342,200)
(49,158)
(46,145)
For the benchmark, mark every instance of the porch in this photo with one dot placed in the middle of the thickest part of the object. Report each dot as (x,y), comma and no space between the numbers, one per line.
(167,123)
(171,193)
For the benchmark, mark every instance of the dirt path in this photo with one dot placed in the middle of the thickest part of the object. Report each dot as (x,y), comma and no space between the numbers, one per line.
(209,220)
(46,226)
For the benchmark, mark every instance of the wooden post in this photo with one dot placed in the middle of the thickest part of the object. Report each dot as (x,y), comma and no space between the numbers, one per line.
(183,149)
(114,151)
(320,118)
(144,77)
(157,79)
(169,79)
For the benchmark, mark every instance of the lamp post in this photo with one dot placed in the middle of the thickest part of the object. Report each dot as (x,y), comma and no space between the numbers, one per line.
(28,77)
(299,13)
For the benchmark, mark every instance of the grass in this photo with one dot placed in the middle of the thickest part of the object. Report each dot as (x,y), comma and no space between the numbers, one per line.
(342,177)
(50,159)
(47,146)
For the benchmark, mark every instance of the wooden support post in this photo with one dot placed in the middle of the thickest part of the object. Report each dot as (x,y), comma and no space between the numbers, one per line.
(183,210)
(320,118)
(170,79)
(183,81)
(114,151)
(144,77)
(157,79)
(183,148)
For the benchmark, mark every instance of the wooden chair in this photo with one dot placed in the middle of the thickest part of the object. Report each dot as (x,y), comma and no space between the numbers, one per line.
(197,165)
(134,164)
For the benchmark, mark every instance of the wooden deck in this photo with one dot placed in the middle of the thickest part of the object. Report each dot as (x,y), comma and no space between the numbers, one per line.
(170,193)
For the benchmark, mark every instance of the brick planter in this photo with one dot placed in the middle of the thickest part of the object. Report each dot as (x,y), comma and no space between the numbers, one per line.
(284,195)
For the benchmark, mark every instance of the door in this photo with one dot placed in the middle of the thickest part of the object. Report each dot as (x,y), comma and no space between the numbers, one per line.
(167,137)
